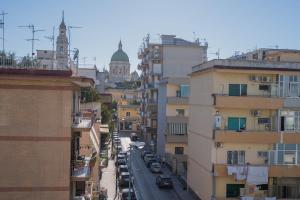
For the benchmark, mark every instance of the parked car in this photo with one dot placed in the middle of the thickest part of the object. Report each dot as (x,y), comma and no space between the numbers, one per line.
(120,162)
(164,181)
(155,167)
(124,194)
(149,162)
(121,156)
(122,168)
(124,179)
(144,153)
(148,157)
(133,137)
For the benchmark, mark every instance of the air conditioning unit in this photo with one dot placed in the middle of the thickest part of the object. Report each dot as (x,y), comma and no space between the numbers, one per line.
(255,113)
(266,79)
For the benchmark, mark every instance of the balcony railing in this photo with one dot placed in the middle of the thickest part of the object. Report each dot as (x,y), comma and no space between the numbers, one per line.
(82,170)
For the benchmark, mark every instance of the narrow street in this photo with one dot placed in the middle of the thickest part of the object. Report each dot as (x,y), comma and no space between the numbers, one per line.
(144,180)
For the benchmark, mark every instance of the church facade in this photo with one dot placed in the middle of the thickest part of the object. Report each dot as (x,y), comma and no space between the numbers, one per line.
(119,66)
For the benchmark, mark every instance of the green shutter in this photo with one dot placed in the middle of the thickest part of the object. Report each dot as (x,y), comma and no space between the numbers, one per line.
(234,89)
(233,190)
(233,123)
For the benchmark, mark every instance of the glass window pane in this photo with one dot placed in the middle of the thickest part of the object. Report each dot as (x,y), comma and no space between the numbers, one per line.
(290,146)
(234,89)
(280,146)
(280,157)
(243,89)
(289,123)
(298,157)
(243,123)
(185,90)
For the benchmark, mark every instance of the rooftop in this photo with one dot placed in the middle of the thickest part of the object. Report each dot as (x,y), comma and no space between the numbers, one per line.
(246,65)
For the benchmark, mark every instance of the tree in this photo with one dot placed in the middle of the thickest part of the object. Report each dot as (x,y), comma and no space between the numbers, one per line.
(89,95)
(106,114)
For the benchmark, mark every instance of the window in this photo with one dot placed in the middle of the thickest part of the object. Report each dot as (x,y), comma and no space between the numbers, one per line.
(236,123)
(237,89)
(179,150)
(290,120)
(264,87)
(286,154)
(177,128)
(179,112)
(184,90)
(263,120)
(233,190)
(127,114)
(235,157)
(262,154)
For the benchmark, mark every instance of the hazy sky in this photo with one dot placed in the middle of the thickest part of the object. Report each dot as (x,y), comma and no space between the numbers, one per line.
(231,25)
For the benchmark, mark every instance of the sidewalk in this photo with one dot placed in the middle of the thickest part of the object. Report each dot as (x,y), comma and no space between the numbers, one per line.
(108,179)
(178,187)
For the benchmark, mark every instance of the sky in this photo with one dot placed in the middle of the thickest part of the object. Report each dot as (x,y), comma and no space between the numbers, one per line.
(228,25)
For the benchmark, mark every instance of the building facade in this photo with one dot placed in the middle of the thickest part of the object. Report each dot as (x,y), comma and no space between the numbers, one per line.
(244,129)
(44,136)
(172,127)
(128,115)
(172,57)
(119,66)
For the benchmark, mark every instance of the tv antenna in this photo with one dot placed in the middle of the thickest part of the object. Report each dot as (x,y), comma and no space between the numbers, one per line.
(2,26)
(69,35)
(33,31)
(217,53)
(51,38)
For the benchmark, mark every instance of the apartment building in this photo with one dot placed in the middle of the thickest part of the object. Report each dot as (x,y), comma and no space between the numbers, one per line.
(170,57)
(173,112)
(128,115)
(48,147)
(244,129)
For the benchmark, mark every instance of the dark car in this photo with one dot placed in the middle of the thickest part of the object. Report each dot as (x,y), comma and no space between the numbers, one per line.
(120,162)
(145,153)
(121,156)
(163,181)
(124,179)
(122,168)
(124,194)
(133,137)
(149,162)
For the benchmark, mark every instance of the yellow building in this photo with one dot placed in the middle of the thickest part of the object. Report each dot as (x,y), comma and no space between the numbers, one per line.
(173,111)
(244,129)
(128,115)
(43,137)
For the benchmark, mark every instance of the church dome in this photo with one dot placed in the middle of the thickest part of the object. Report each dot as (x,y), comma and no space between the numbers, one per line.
(120,55)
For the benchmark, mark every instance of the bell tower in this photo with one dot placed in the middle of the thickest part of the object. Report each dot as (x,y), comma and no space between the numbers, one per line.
(62,45)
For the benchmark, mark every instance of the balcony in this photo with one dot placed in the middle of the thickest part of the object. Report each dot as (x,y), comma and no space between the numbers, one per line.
(247,102)
(81,123)
(177,119)
(81,170)
(253,137)
(178,100)
(176,138)
(256,136)
(220,170)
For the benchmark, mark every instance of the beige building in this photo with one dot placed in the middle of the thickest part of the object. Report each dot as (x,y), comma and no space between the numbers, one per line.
(243,137)
(173,112)
(171,57)
(128,115)
(48,148)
